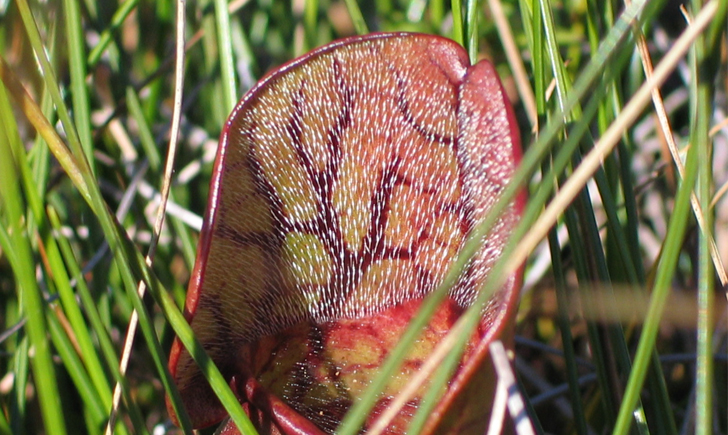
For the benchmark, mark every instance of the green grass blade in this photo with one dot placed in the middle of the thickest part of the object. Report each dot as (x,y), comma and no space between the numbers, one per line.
(701,111)
(21,372)
(310,22)
(458,28)
(23,268)
(146,139)
(72,311)
(225,53)
(51,82)
(77,63)
(105,39)
(97,325)
(93,403)
(356,17)
(4,426)
(471,30)
(661,287)
(565,329)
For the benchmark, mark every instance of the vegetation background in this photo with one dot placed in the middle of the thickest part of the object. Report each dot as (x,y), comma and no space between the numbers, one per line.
(622,325)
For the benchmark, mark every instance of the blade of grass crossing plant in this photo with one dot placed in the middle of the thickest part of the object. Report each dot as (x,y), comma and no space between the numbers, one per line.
(209,370)
(702,97)
(467,322)
(433,364)
(437,386)
(471,316)
(77,65)
(225,55)
(24,270)
(353,420)
(147,327)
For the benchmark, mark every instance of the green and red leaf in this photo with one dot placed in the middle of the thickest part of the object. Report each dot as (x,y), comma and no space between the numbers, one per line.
(345,184)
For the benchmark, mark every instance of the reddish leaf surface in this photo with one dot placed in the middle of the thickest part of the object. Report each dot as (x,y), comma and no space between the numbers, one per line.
(344,186)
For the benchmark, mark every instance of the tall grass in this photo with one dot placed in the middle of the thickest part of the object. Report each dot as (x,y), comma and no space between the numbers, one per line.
(622,107)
